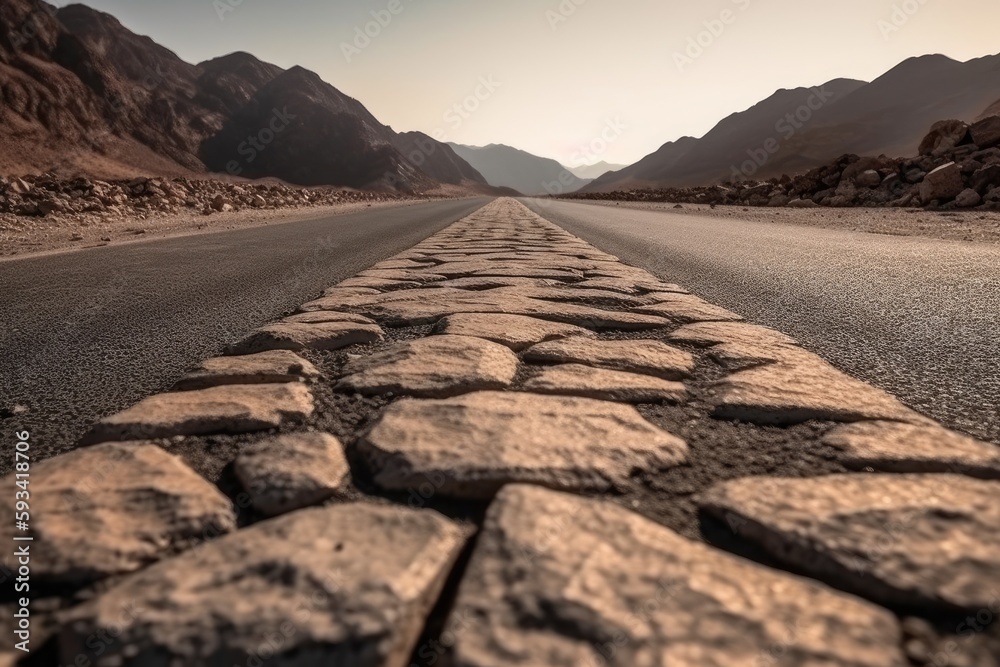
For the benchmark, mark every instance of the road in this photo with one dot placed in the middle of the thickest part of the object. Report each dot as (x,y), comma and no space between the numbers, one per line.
(917,317)
(88,333)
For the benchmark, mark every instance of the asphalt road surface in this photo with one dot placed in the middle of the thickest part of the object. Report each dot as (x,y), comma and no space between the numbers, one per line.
(917,317)
(88,333)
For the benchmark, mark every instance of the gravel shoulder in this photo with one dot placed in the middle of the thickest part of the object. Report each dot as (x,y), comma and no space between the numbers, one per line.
(21,237)
(978,226)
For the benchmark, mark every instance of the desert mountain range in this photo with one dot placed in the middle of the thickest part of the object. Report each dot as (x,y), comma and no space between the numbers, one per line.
(795,130)
(82,94)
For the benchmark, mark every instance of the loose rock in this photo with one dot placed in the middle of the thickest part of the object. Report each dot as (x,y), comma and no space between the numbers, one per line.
(908,448)
(228,409)
(297,336)
(515,331)
(342,585)
(469,447)
(650,357)
(292,471)
(896,539)
(113,509)
(605,385)
(560,581)
(434,367)
(274,367)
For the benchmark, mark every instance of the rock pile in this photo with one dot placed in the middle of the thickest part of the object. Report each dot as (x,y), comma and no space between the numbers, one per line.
(48,194)
(958,168)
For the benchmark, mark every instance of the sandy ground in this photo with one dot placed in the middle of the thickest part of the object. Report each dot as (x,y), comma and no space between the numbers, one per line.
(982,226)
(20,236)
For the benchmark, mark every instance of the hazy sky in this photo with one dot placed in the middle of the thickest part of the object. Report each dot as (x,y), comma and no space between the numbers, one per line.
(553,76)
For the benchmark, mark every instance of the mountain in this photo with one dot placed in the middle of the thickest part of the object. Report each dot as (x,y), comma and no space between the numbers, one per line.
(889,115)
(83,94)
(503,166)
(992,110)
(589,172)
(437,160)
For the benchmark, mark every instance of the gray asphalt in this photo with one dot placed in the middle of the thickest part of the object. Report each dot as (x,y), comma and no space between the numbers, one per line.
(88,333)
(917,317)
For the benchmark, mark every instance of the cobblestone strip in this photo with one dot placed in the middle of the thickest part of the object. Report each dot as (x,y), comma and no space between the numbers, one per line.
(609,436)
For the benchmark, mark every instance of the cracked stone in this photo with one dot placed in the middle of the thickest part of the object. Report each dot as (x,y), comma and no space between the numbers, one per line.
(687,308)
(115,508)
(433,367)
(418,307)
(628,286)
(908,448)
(375,283)
(327,315)
(274,367)
(806,390)
(515,331)
(649,357)
(492,282)
(469,447)
(561,581)
(292,471)
(896,539)
(605,385)
(737,345)
(404,275)
(349,584)
(297,336)
(227,409)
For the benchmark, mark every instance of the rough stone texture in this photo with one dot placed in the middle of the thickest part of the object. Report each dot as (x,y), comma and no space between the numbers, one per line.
(292,471)
(515,331)
(968,198)
(343,585)
(579,295)
(492,282)
(326,315)
(433,367)
(417,307)
(605,385)
(686,308)
(344,292)
(896,447)
(111,509)
(810,388)
(375,283)
(276,366)
(404,275)
(228,409)
(943,136)
(737,345)
(469,447)
(560,581)
(300,336)
(944,183)
(649,357)
(986,132)
(627,286)
(897,539)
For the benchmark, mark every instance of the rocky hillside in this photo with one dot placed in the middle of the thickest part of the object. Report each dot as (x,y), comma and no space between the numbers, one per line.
(84,95)
(519,170)
(958,167)
(795,130)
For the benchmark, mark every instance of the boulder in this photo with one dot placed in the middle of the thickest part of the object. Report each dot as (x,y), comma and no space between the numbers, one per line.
(986,132)
(944,135)
(942,184)
(968,198)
